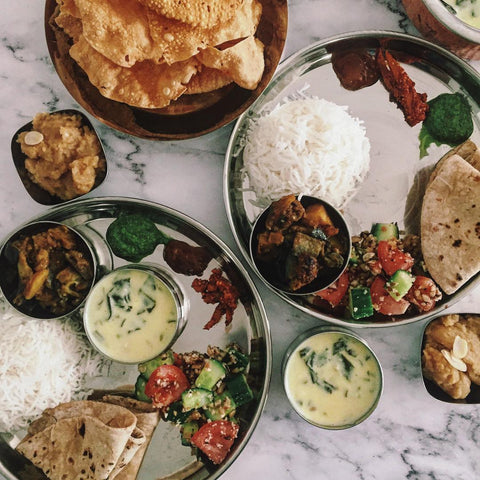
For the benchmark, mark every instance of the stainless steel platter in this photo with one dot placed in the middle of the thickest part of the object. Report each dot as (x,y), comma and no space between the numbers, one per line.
(166,456)
(392,191)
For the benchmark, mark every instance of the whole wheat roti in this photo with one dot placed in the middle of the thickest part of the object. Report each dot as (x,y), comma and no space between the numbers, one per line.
(83,439)
(147,420)
(450,224)
(205,13)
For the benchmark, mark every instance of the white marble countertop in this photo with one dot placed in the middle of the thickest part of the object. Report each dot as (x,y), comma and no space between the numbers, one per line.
(410,435)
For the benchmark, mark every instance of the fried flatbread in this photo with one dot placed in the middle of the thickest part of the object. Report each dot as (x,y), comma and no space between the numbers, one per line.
(83,439)
(119,30)
(450,224)
(243,62)
(206,80)
(179,41)
(205,13)
(145,85)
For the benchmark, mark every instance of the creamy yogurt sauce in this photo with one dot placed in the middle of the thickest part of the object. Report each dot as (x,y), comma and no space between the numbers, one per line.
(131,316)
(332,379)
(467,10)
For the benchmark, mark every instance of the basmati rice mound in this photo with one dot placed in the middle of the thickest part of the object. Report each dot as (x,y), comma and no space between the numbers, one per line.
(44,363)
(306,146)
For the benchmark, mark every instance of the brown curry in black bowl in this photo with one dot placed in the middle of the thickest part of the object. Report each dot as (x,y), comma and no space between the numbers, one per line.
(300,244)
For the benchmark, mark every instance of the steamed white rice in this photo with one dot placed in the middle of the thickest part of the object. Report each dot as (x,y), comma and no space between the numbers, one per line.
(44,363)
(306,146)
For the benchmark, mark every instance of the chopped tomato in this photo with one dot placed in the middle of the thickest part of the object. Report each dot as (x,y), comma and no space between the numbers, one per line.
(336,292)
(166,385)
(392,258)
(215,439)
(383,302)
(423,293)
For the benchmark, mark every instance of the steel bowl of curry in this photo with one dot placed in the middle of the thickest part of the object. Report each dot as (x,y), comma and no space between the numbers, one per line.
(135,313)
(48,269)
(332,378)
(300,244)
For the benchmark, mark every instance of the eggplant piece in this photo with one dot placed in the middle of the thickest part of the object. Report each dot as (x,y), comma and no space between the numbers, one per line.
(300,270)
(283,213)
(305,244)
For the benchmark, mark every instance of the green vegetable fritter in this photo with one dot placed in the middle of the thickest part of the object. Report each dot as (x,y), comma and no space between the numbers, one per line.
(133,237)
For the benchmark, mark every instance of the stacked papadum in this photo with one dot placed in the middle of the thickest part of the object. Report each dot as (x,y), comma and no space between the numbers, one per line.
(450,219)
(91,440)
(147,53)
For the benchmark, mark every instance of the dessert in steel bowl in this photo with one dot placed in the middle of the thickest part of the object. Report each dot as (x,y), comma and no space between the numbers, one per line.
(59,156)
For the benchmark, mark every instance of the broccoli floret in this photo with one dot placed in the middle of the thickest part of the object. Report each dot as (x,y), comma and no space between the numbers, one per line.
(449,119)
(133,237)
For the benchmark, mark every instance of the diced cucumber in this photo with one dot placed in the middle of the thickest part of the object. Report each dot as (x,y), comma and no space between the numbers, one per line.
(188,429)
(385,231)
(221,406)
(176,414)
(196,398)
(360,302)
(140,390)
(236,361)
(239,389)
(147,368)
(211,373)
(399,284)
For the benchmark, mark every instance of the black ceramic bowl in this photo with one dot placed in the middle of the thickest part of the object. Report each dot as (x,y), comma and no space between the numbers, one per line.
(13,269)
(273,272)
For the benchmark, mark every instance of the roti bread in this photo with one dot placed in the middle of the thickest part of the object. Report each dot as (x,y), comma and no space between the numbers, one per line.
(450,223)
(147,420)
(82,439)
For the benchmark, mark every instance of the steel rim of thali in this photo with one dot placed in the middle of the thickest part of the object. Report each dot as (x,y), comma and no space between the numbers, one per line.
(77,206)
(291,69)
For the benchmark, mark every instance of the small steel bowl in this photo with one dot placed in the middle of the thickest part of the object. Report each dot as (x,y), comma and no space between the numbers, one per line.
(431,387)
(289,374)
(129,352)
(271,272)
(39,194)
(10,280)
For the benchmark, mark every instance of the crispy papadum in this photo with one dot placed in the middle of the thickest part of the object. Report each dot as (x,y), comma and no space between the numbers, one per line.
(146,84)
(243,62)
(180,41)
(206,80)
(450,224)
(119,30)
(205,13)
(83,439)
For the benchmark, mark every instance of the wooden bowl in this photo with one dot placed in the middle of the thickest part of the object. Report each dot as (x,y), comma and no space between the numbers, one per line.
(189,116)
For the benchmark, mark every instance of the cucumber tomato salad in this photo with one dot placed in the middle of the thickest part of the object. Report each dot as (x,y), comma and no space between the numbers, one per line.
(386,276)
(201,394)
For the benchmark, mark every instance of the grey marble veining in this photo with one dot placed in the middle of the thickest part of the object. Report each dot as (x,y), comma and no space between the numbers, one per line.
(410,435)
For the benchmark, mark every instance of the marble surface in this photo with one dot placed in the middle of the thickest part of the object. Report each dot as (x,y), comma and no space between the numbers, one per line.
(410,435)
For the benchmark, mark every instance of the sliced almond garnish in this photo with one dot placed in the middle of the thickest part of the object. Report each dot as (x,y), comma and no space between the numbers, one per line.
(454,361)
(460,347)
(33,138)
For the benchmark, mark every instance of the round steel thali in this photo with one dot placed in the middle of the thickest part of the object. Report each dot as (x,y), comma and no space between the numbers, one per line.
(394,186)
(166,457)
